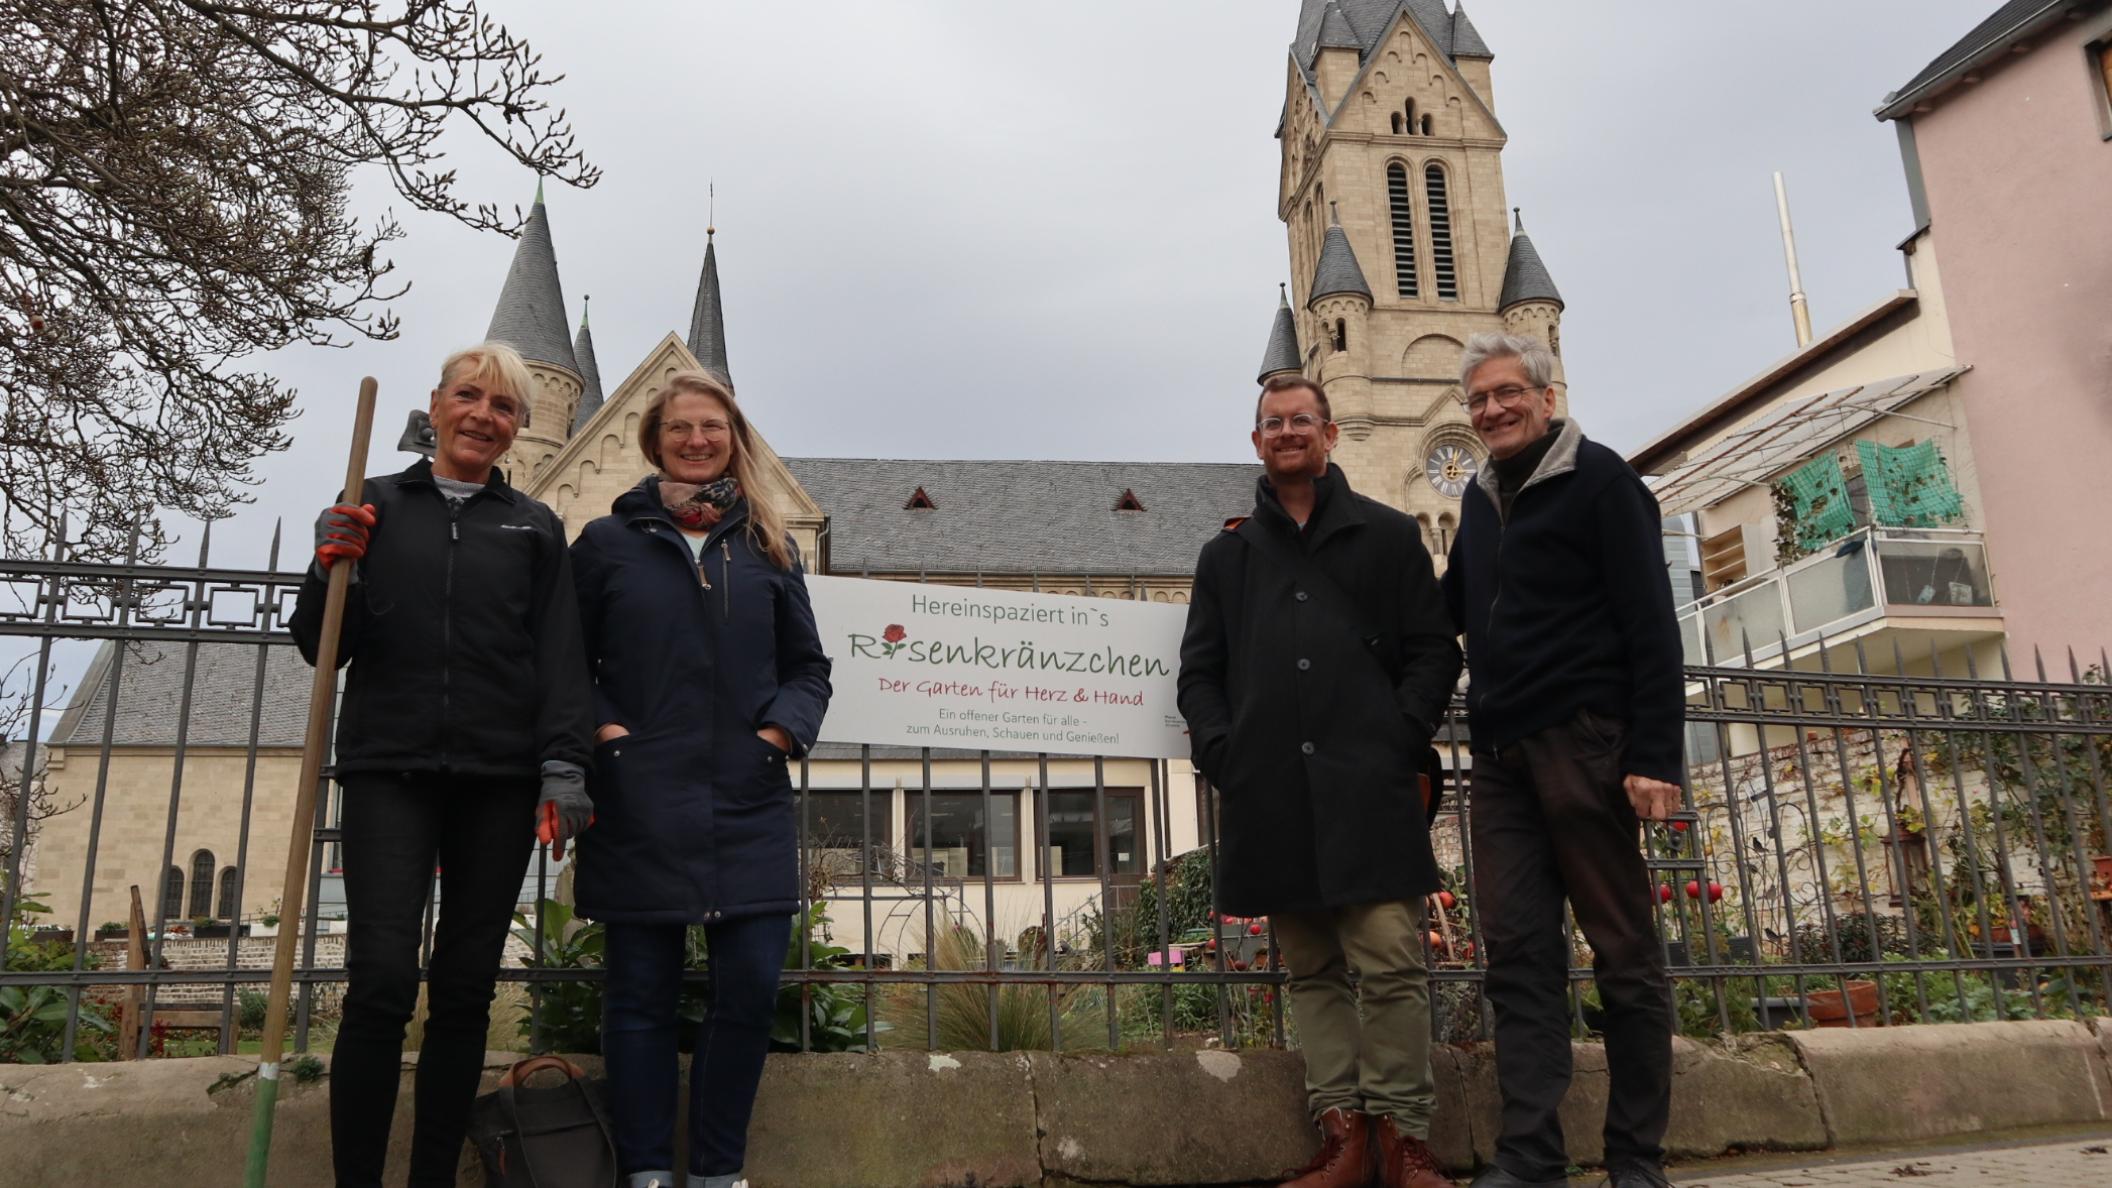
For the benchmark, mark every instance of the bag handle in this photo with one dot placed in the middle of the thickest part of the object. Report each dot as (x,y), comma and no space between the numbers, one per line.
(520,1072)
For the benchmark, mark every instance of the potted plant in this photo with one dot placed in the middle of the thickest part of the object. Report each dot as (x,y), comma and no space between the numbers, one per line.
(1831,1008)
(111,930)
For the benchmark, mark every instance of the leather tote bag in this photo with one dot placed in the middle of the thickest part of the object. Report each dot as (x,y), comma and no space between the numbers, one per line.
(554,1135)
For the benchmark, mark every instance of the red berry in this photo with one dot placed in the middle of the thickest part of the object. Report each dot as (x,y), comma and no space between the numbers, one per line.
(1693,889)
(1679,826)
(1437,940)
(1664,892)
(1253,930)
(1715,892)
(1446,899)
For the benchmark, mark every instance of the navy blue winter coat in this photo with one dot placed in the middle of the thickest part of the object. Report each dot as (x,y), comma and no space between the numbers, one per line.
(693,811)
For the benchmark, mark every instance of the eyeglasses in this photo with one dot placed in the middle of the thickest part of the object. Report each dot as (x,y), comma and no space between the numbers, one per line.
(1303,423)
(682,429)
(1506,395)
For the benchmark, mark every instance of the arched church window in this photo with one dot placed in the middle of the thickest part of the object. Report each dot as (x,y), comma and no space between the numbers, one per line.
(1411,117)
(202,868)
(1404,279)
(1426,123)
(230,906)
(1341,335)
(1397,123)
(172,894)
(1441,261)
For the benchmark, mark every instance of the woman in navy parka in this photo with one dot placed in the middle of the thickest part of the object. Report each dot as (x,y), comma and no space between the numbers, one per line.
(708,674)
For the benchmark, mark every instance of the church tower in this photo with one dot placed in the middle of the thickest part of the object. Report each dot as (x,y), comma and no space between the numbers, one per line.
(530,318)
(1391,193)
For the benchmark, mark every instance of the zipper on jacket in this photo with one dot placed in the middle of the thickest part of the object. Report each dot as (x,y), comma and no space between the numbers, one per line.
(447,619)
(726,576)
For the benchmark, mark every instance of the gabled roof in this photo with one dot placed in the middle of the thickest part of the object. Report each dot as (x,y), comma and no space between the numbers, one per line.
(589,373)
(1359,24)
(1989,40)
(1525,278)
(707,319)
(530,316)
(1337,271)
(1282,353)
(1022,517)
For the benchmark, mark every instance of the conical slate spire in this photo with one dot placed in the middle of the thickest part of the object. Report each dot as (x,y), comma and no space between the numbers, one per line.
(1282,354)
(1338,272)
(589,371)
(1525,278)
(1466,39)
(707,321)
(1335,32)
(530,316)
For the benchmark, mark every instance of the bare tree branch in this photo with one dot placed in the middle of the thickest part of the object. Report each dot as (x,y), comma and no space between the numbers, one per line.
(174,194)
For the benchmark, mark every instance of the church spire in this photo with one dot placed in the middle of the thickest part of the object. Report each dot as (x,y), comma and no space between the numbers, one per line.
(1338,271)
(589,371)
(1525,278)
(707,320)
(530,316)
(1282,354)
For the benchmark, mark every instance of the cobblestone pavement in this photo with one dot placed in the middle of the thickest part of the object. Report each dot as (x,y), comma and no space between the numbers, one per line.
(2074,1163)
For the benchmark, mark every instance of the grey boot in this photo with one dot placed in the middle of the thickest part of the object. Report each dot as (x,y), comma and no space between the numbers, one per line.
(736,1180)
(651,1179)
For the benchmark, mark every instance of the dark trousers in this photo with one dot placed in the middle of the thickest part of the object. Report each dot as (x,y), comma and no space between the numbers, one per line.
(1550,821)
(397,828)
(638,1039)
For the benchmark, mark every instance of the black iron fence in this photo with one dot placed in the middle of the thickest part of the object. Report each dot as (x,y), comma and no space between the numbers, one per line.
(1916,839)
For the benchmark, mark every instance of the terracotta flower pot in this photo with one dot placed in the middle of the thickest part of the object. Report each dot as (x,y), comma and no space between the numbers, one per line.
(2101,866)
(1827,1010)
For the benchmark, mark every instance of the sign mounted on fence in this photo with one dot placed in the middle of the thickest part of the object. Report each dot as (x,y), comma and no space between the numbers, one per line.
(950,666)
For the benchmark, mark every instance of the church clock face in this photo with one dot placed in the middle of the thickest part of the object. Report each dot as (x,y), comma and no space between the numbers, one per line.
(1450,468)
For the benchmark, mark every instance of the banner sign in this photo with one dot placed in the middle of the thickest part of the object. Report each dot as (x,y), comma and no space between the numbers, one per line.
(951,666)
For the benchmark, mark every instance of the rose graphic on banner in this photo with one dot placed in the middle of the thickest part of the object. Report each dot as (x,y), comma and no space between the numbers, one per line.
(891,639)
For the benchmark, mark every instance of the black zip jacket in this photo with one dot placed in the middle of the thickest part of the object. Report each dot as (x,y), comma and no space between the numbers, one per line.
(1566,606)
(462,630)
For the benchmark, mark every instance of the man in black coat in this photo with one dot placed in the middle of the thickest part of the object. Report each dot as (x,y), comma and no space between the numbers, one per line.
(1315,667)
(1576,701)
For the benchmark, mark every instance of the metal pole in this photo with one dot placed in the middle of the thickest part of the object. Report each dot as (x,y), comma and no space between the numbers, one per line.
(1798,311)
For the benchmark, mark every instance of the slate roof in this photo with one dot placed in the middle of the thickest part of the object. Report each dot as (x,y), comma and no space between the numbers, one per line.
(1360,24)
(1022,517)
(1466,39)
(590,396)
(1525,278)
(1990,38)
(1337,271)
(707,319)
(531,312)
(1282,353)
(151,683)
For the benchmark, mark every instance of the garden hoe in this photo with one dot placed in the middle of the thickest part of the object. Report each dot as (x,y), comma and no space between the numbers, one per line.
(322,697)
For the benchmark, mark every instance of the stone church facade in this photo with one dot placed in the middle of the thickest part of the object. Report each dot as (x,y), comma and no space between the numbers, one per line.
(1400,246)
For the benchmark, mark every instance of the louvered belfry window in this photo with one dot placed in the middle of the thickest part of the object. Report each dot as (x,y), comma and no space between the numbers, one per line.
(1404,278)
(1441,234)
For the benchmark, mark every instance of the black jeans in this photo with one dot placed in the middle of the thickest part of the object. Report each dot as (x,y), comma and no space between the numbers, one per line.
(638,1039)
(1550,820)
(397,828)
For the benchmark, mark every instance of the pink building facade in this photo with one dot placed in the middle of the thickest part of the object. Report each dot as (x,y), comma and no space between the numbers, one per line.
(2007,143)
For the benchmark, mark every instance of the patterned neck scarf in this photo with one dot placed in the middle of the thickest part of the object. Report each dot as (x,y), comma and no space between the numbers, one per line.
(700,505)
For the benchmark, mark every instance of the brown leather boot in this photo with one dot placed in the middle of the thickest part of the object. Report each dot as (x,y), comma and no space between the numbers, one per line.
(1344,1160)
(1406,1161)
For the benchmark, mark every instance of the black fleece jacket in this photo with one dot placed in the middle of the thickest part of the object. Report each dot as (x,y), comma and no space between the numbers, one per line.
(1566,605)
(463,635)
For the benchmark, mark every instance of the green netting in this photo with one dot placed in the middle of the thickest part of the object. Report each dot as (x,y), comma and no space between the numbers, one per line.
(1910,486)
(1819,496)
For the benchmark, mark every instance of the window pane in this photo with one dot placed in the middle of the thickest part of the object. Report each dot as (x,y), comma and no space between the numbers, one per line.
(1071,841)
(835,823)
(963,843)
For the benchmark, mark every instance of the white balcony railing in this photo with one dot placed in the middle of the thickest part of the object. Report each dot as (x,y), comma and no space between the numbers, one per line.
(1867,575)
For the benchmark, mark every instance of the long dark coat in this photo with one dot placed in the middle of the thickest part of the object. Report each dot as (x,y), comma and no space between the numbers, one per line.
(693,812)
(1314,668)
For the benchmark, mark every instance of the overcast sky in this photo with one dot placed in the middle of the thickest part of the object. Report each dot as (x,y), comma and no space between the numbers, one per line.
(1002,230)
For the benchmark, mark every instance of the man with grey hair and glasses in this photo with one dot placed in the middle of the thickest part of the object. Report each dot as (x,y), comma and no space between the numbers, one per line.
(1575,702)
